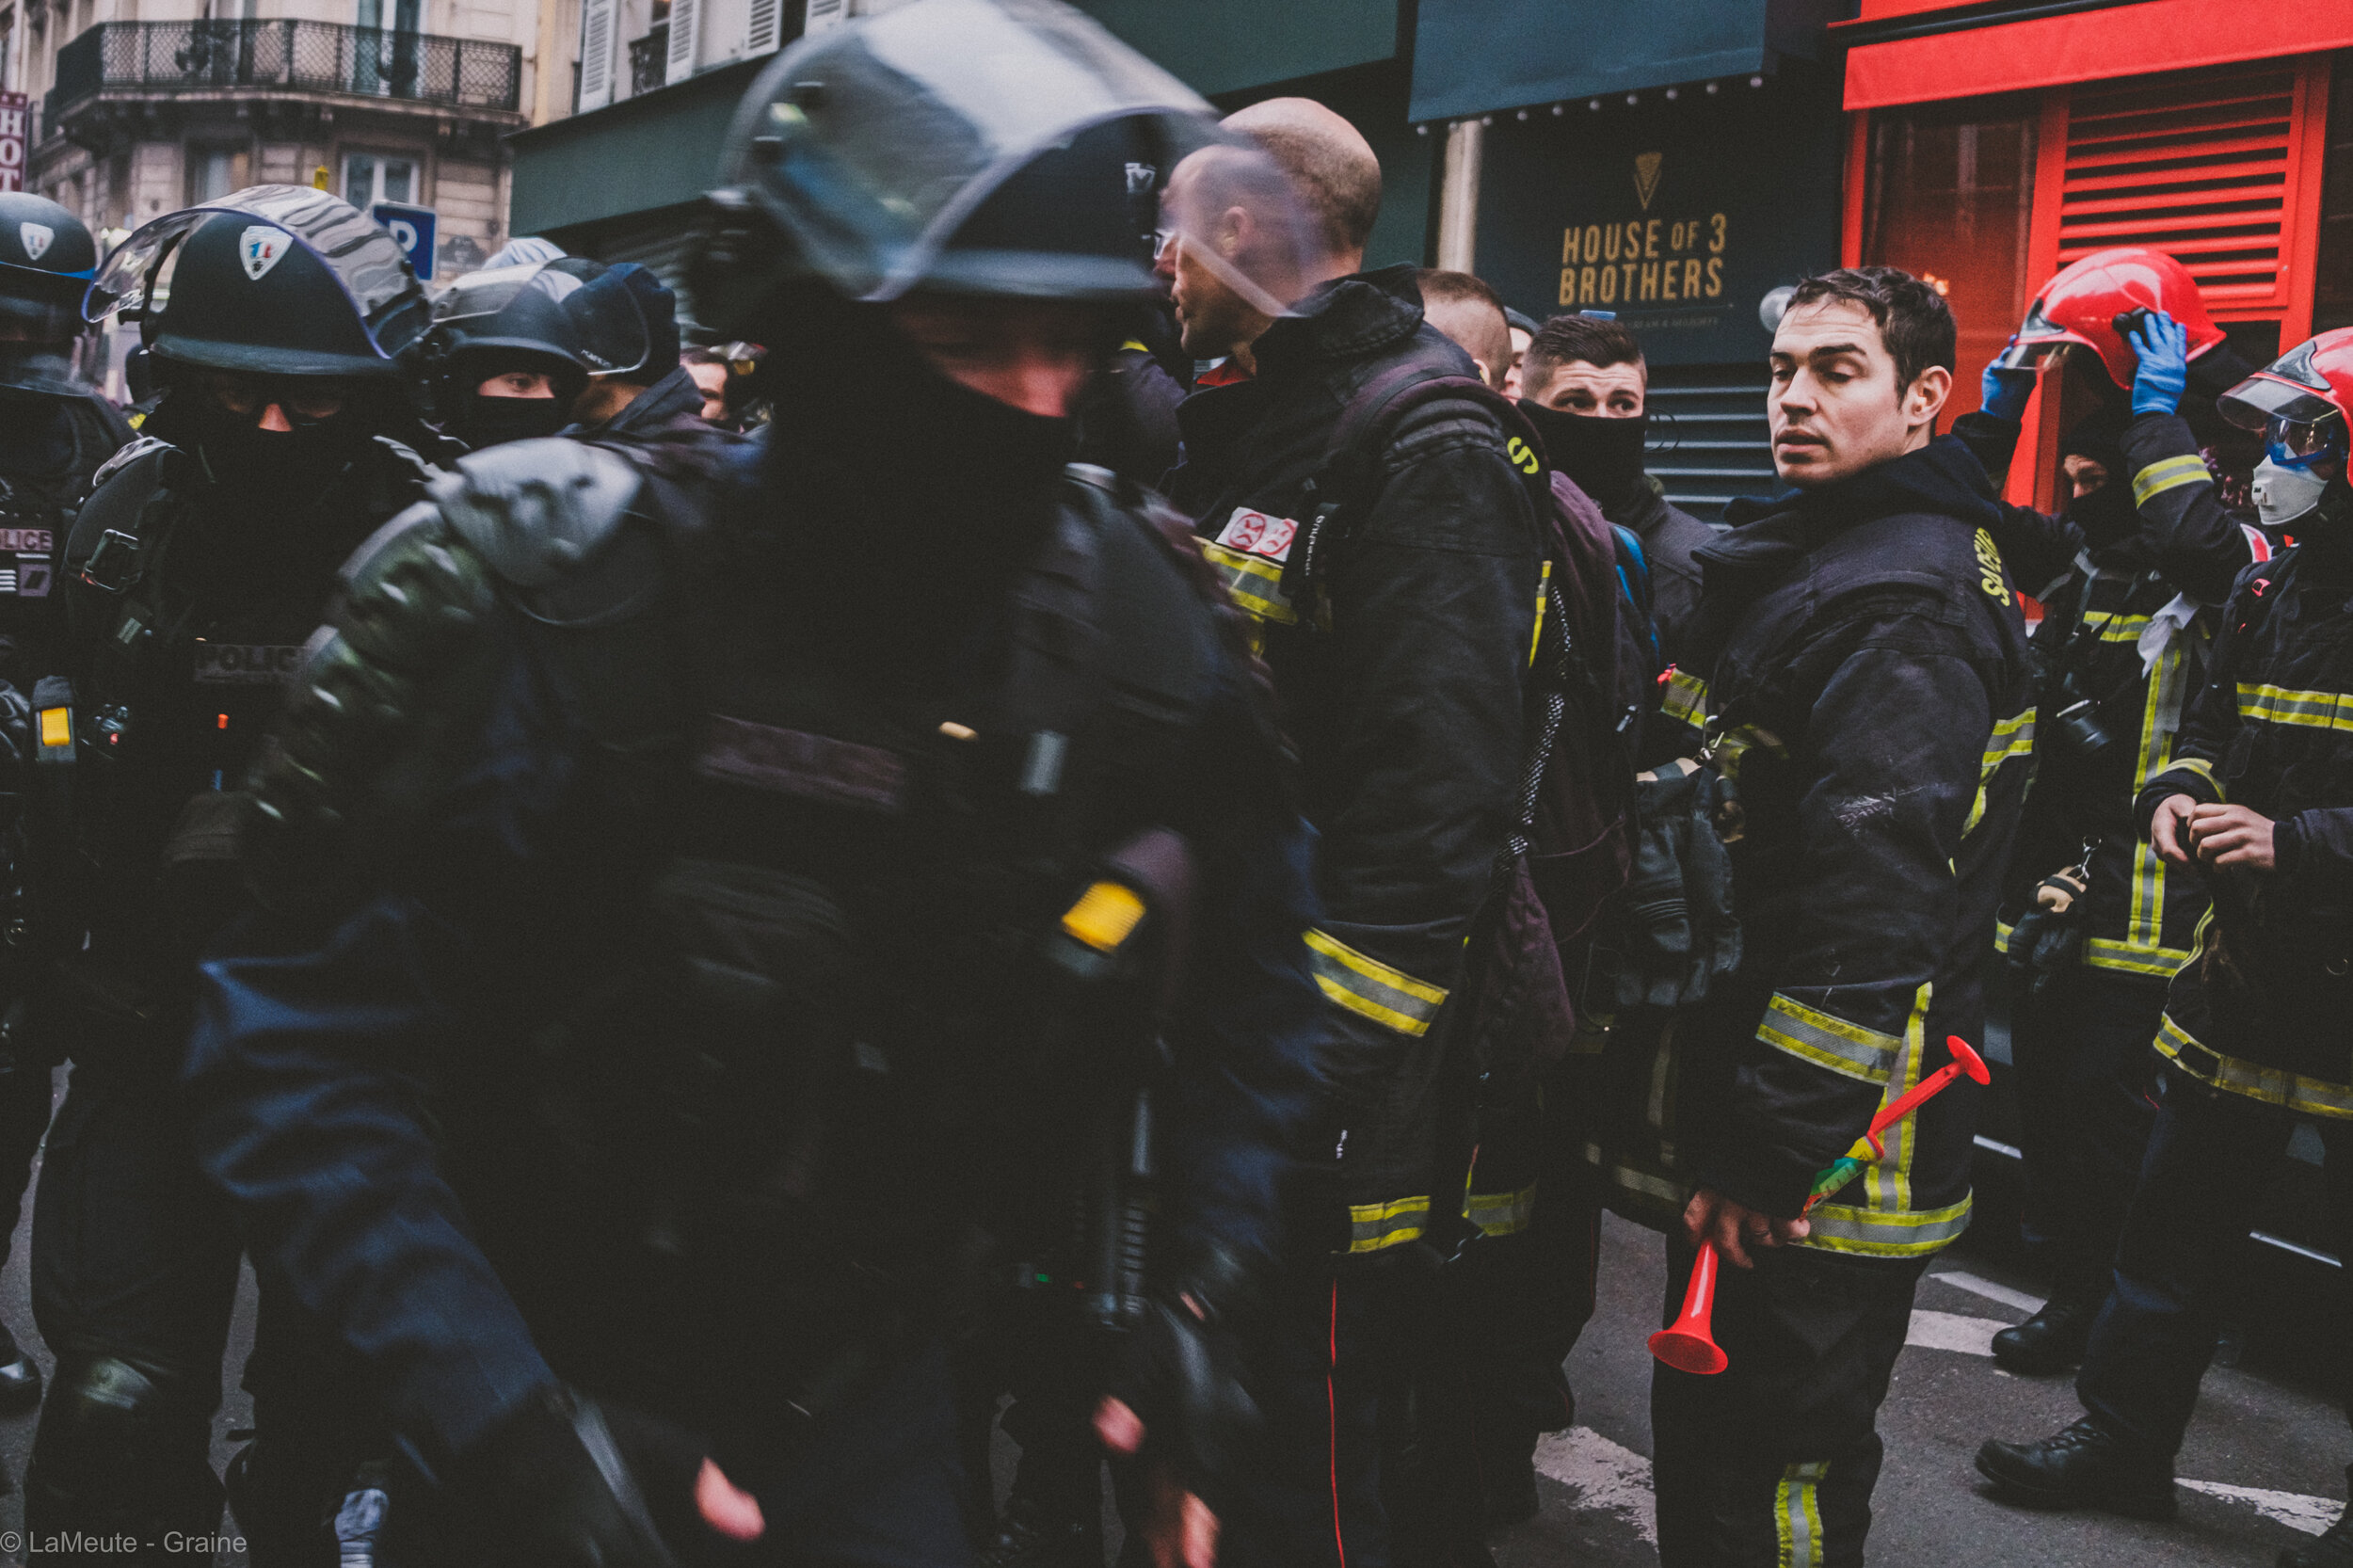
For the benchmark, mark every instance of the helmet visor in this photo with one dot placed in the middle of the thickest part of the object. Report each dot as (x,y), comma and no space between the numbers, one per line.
(871,144)
(2267,395)
(358,252)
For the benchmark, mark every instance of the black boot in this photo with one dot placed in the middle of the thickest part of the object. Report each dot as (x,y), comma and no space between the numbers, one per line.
(2051,1340)
(2085,1467)
(2334,1549)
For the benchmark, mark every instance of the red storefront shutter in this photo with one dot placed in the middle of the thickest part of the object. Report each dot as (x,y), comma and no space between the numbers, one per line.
(2220,167)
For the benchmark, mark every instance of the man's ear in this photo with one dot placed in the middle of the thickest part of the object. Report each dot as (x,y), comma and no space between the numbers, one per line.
(1234,229)
(1926,397)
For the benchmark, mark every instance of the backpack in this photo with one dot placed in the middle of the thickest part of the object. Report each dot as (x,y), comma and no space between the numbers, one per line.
(1593,661)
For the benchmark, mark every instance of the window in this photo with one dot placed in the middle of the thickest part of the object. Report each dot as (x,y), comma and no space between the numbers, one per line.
(214,171)
(1950,198)
(372,177)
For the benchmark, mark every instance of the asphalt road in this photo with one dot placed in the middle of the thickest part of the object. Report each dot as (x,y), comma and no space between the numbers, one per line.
(2263,1466)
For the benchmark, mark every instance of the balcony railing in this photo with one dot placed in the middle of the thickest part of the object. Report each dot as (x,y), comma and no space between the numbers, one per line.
(303,56)
(650,60)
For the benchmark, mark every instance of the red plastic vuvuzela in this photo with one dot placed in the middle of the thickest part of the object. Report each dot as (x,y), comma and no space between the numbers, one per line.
(1688,1344)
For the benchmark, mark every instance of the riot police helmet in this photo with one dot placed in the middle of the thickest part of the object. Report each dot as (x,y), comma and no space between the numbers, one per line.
(544,316)
(2094,302)
(272,279)
(993,148)
(2302,402)
(47,258)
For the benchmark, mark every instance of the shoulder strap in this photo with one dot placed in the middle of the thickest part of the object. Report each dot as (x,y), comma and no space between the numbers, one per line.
(1352,460)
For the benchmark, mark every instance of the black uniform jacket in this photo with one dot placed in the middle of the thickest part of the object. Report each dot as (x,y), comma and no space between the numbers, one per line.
(2263,1007)
(1867,696)
(1672,538)
(1405,700)
(2102,596)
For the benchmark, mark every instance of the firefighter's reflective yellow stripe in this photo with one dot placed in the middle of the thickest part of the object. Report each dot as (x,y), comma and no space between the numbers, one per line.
(1888,1182)
(2115,628)
(2169,474)
(2102,954)
(2198,768)
(2314,1097)
(1685,699)
(2310,709)
(2001,935)
(1885,1233)
(1256,584)
(2013,739)
(1828,1042)
(1500,1213)
(2161,716)
(1798,1515)
(1367,986)
(1544,593)
(1374,1225)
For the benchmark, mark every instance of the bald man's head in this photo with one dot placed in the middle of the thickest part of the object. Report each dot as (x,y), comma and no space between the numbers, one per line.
(1329,160)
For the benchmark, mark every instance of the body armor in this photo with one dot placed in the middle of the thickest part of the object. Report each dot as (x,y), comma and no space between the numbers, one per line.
(800,1034)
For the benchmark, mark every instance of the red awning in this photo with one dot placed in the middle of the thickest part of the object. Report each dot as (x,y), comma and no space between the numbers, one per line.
(2089,47)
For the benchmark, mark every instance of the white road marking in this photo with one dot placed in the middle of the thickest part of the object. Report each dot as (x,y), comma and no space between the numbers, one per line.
(1603,1475)
(1951,1331)
(2016,1300)
(2293,1509)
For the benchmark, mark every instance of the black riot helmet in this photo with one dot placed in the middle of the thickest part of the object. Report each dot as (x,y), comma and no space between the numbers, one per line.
(47,258)
(272,279)
(987,147)
(568,319)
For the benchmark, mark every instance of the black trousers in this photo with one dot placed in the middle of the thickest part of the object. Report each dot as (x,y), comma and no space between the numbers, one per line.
(2085,1104)
(1333,1377)
(1770,1463)
(134,1260)
(2211,1157)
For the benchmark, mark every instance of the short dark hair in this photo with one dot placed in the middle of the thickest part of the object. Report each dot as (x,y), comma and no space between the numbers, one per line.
(1566,340)
(1913,317)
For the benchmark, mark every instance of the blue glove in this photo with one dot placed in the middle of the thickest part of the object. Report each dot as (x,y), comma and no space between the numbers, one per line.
(2163,346)
(2003,393)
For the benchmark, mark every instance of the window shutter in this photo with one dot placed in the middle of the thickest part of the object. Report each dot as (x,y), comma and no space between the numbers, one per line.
(762,30)
(596,54)
(685,40)
(824,15)
(2206,166)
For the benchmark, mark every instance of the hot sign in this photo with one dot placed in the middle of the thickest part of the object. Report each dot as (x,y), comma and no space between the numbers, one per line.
(15,111)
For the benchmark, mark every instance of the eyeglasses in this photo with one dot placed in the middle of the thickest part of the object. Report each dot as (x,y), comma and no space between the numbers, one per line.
(306,399)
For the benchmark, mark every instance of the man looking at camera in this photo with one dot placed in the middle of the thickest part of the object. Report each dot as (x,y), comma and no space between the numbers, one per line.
(1858,671)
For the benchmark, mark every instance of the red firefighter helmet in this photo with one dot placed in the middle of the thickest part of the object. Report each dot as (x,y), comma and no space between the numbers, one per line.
(2309,385)
(2095,301)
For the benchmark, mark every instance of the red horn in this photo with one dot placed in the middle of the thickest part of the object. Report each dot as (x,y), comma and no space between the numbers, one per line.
(1688,1345)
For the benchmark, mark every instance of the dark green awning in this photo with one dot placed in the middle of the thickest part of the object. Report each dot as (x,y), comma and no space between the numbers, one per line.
(1474,57)
(656,149)
(1219,47)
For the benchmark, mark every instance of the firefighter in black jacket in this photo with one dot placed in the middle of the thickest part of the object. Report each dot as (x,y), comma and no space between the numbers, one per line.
(1400,679)
(2129,577)
(1862,679)
(2255,1032)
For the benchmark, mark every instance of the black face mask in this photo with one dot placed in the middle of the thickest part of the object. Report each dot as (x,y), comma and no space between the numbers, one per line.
(1603,456)
(490,421)
(276,471)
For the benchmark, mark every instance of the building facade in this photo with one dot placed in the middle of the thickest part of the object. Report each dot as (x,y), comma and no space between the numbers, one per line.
(1992,145)
(145,105)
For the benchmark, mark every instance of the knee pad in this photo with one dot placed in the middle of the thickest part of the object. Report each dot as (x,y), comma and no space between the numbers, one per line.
(115,1451)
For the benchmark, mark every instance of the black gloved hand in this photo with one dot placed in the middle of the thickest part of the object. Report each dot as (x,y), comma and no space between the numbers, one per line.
(567,1483)
(1180,1372)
